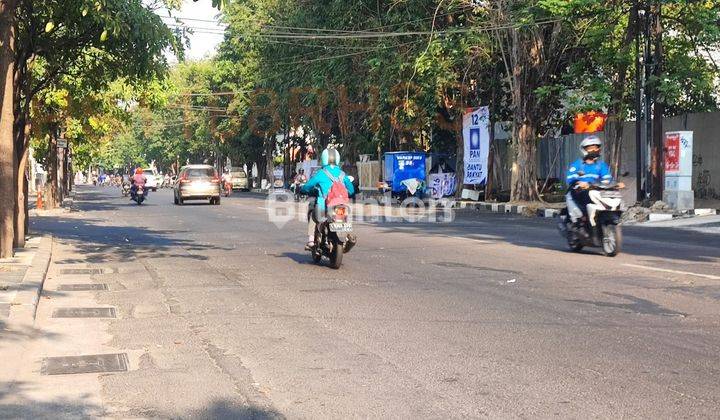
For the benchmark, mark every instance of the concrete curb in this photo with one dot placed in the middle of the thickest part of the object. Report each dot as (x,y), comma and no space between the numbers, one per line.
(24,306)
(657,217)
(506,208)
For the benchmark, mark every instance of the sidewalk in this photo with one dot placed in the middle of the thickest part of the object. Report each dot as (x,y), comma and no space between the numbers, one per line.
(66,335)
(21,280)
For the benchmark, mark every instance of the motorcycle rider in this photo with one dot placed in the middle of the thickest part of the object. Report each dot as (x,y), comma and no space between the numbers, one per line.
(226,182)
(583,174)
(138,180)
(299,180)
(320,184)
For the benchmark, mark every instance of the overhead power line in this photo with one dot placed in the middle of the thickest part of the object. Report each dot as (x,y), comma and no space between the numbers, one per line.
(275,34)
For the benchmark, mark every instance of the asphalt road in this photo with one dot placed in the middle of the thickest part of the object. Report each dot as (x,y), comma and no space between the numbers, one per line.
(486,316)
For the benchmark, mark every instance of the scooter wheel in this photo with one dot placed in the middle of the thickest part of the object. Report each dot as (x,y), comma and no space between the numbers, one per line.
(336,256)
(573,242)
(612,240)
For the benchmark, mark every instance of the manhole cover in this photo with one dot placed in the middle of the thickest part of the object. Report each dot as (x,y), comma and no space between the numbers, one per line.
(81,271)
(91,363)
(84,313)
(79,287)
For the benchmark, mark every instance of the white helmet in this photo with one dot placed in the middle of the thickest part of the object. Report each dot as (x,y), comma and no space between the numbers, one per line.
(590,141)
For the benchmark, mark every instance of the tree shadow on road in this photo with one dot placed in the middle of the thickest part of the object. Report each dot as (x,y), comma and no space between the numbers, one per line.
(667,243)
(15,402)
(96,241)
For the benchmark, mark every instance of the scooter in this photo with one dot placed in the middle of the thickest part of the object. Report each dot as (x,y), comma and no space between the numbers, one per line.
(297,191)
(333,235)
(227,186)
(601,228)
(138,195)
(125,189)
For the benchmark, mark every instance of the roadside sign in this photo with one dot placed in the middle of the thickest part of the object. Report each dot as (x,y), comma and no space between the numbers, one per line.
(61,143)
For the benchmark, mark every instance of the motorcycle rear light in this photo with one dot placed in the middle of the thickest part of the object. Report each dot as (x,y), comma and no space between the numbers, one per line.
(340,213)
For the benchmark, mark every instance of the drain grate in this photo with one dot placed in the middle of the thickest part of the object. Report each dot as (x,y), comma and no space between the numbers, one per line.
(79,287)
(81,271)
(84,313)
(91,363)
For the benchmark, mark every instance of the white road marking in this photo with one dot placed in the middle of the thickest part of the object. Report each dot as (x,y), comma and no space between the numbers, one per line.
(665,270)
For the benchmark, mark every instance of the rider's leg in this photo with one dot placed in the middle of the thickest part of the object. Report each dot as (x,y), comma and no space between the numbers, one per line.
(594,205)
(573,209)
(311,224)
(581,198)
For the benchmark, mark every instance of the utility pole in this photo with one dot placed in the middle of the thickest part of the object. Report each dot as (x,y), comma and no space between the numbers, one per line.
(639,171)
(657,170)
(648,92)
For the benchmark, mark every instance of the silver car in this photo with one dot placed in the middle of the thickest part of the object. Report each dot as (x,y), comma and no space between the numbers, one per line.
(197,182)
(239,179)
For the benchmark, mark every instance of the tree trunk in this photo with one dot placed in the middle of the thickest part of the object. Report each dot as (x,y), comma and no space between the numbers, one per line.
(459,163)
(527,68)
(657,170)
(65,173)
(8,157)
(269,164)
(616,111)
(21,199)
(51,195)
(490,181)
(524,171)
(22,145)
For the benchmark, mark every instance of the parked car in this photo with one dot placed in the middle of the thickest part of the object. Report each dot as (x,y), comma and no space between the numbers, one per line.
(197,182)
(239,179)
(152,179)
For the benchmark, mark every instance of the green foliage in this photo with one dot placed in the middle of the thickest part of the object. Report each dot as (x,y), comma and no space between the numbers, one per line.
(415,64)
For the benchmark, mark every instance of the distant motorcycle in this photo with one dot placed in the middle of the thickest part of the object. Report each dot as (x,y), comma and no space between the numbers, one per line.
(138,195)
(227,188)
(125,189)
(297,191)
(602,226)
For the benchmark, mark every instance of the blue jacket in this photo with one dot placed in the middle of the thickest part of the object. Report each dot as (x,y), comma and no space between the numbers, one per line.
(323,183)
(592,173)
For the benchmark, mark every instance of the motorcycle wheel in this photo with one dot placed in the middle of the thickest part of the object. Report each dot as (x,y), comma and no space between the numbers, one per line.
(336,255)
(573,242)
(612,240)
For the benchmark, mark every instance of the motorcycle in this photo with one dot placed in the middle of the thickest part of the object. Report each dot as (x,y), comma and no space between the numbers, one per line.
(227,187)
(297,188)
(125,189)
(333,235)
(138,195)
(601,228)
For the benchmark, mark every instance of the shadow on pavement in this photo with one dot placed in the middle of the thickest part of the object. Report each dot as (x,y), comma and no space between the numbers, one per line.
(637,305)
(667,243)
(17,333)
(16,403)
(98,242)
(302,259)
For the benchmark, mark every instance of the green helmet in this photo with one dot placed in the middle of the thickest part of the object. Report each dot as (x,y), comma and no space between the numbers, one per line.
(330,156)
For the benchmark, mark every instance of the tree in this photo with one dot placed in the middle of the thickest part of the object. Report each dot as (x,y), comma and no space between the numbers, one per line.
(7,149)
(93,39)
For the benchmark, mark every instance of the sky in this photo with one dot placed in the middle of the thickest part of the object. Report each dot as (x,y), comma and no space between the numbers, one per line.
(201,44)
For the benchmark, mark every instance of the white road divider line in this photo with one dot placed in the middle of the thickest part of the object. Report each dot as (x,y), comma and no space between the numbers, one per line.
(665,270)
